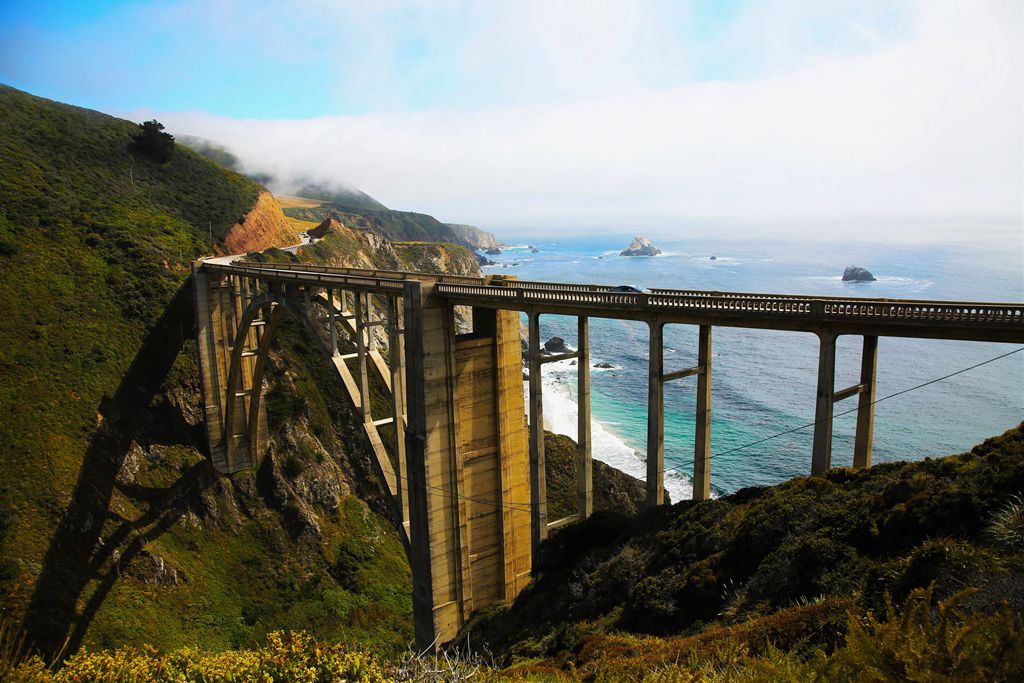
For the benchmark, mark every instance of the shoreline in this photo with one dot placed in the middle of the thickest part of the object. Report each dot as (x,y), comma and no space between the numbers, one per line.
(560,417)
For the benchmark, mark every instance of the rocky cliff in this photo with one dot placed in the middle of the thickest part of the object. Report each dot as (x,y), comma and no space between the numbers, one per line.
(264,226)
(474,237)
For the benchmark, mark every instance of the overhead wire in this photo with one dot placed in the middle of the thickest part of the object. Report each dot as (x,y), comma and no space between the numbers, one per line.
(525,506)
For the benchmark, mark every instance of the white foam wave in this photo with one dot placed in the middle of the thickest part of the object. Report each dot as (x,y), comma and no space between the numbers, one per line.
(560,416)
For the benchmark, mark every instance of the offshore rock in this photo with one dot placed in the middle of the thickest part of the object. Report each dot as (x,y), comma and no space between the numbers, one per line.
(641,246)
(857,274)
(555,345)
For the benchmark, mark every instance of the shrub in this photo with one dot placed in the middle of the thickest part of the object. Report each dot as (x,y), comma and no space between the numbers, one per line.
(1007,526)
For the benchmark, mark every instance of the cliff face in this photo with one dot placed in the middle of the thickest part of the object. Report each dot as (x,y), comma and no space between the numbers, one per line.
(474,237)
(431,257)
(264,226)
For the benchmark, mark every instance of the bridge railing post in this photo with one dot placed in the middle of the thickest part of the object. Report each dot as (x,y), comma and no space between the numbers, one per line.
(866,403)
(538,480)
(821,450)
(655,416)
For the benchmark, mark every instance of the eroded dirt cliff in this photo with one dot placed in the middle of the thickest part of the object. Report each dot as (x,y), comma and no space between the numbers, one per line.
(264,226)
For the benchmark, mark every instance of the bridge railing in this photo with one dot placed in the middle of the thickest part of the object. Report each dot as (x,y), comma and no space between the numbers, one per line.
(819,308)
(330,277)
(523,293)
(364,272)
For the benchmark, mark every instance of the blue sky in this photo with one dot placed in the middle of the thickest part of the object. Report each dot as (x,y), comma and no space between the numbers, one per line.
(305,59)
(893,120)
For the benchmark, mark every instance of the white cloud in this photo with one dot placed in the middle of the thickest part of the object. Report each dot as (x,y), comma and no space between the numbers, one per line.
(923,133)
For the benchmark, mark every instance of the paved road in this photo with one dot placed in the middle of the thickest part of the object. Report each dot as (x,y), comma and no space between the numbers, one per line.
(304,239)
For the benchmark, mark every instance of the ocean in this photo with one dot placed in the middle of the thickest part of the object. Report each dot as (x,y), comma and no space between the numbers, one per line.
(764,382)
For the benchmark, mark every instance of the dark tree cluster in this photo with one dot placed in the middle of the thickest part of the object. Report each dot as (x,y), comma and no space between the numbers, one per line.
(153,142)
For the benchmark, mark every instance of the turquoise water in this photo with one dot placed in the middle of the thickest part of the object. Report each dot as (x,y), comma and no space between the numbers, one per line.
(763,382)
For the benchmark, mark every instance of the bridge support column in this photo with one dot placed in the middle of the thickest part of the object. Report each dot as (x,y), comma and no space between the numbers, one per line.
(866,403)
(396,364)
(467,463)
(702,432)
(821,450)
(538,479)
(361,351)
(332,323)
(656,416)
(584,460)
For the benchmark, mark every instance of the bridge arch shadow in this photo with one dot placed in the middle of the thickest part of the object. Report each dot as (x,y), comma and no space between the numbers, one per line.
(79,554)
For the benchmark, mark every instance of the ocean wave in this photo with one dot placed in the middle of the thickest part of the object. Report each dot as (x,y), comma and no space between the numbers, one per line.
(560,416)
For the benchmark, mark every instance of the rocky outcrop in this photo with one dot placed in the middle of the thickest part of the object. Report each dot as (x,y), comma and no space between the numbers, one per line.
(857,274)
(325,228)
(264,226)
(613,488)
(555,345)
(494,251)
(473,237)
(640,246)
(431,257)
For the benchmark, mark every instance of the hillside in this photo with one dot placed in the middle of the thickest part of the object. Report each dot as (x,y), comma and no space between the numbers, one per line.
(797,565)
(114,530)
(908,571)
(406,226)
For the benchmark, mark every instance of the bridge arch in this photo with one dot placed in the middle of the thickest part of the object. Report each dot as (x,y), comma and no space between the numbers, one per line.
(271,306)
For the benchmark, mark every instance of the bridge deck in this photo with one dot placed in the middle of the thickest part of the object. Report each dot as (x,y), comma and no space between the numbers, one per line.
(965,320)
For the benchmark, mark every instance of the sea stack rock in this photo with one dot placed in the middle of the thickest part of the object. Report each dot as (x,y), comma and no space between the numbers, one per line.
(555,345)
(857,274)
(641,246)
(494,251)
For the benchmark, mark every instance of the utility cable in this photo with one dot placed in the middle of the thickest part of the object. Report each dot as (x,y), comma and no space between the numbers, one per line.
(521,506)
(853,410)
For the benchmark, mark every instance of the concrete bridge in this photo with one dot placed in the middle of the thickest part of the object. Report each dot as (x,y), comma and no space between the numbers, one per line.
(463,468)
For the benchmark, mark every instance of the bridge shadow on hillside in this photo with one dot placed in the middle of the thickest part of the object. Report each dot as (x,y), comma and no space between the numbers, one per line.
(79,554)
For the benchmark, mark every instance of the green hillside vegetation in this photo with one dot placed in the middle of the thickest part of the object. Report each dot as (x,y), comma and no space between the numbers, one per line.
(795,565)
(339,196)
(949,525)
(113,528)
(403,226)
(212,151)
(94,242)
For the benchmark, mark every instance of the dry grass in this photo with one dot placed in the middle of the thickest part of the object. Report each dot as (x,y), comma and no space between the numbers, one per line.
(286,202)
